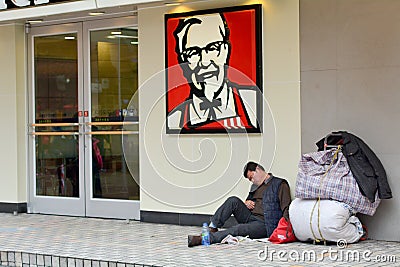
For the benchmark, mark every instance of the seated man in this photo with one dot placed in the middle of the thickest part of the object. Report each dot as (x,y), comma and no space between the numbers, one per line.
(258,216)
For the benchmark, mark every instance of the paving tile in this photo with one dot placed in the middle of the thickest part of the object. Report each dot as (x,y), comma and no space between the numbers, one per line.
(40,260)
(25,258)
(71,262)
(47,260)
(11,257)
(3,255)
(86,242)
(63,262)
(55,261)
(87,263)
(18,258)
(32,259)
(79,262)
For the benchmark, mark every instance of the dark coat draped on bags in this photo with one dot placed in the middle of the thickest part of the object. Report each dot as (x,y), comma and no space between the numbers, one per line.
(367,169)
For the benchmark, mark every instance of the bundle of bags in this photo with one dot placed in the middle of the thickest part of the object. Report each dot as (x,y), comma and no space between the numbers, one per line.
(328,197)
(332,186)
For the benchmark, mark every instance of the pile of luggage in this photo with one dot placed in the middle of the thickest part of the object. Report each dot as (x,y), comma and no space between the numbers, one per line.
(343,178)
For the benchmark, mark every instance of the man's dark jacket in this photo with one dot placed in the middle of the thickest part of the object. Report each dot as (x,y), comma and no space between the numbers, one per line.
(367,169)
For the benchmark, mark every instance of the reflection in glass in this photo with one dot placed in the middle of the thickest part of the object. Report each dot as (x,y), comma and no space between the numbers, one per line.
(56,90)
(56,78)
(113,65)
(111,176)
(57,166)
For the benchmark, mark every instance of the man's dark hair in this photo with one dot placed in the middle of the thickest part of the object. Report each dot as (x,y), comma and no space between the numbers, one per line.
(251,166)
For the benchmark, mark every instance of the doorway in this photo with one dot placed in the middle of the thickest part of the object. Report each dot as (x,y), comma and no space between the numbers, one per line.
(84,121)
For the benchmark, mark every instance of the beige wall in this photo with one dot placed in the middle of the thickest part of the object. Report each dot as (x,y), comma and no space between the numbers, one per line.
(195,173)
(13,161)
(350,69)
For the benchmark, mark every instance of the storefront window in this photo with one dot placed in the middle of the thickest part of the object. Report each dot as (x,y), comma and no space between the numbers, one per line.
(113,64)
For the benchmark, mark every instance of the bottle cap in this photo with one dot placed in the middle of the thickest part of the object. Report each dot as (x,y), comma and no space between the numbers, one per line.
(205,224)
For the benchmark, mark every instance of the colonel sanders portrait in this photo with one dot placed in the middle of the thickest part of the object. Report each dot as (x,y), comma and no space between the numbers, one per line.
(203,50)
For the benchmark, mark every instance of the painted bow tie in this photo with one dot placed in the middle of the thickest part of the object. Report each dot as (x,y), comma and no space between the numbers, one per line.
(211,106)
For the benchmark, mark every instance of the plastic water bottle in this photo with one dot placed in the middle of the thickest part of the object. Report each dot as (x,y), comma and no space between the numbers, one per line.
(205,235)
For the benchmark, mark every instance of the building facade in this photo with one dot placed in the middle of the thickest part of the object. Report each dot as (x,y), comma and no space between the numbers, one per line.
(84,106)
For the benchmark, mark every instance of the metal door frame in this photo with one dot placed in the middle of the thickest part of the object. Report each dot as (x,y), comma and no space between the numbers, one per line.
(49,204)
(85,205)
(97,207)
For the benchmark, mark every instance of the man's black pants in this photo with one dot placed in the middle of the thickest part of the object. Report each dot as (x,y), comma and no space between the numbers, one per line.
(248,224)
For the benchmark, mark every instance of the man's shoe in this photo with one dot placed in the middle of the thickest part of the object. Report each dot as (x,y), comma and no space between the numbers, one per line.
(194,240)
(213,230)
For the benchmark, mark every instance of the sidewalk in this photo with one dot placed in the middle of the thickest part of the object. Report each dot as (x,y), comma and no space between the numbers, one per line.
(45,240)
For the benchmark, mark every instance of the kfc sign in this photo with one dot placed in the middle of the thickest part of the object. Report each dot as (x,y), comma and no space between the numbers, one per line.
(11,4)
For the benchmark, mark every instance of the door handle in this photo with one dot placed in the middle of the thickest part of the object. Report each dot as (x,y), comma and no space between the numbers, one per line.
(54,124)
(53,133)
(117,123)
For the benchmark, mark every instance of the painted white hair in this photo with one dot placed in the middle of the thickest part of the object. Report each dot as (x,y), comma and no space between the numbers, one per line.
(211,19)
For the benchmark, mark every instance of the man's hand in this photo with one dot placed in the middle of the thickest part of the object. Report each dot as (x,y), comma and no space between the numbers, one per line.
(249,204)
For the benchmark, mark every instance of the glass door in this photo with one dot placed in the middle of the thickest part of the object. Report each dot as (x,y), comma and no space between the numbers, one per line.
(112,123)
(55,126)
(84,123)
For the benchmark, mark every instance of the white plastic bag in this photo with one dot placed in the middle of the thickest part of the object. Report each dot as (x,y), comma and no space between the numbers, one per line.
(332,219)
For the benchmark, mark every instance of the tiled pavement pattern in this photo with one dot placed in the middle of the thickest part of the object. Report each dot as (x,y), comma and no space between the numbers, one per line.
(44,240)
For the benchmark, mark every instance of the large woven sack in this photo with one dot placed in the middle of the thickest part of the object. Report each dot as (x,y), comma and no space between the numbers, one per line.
(321,174)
